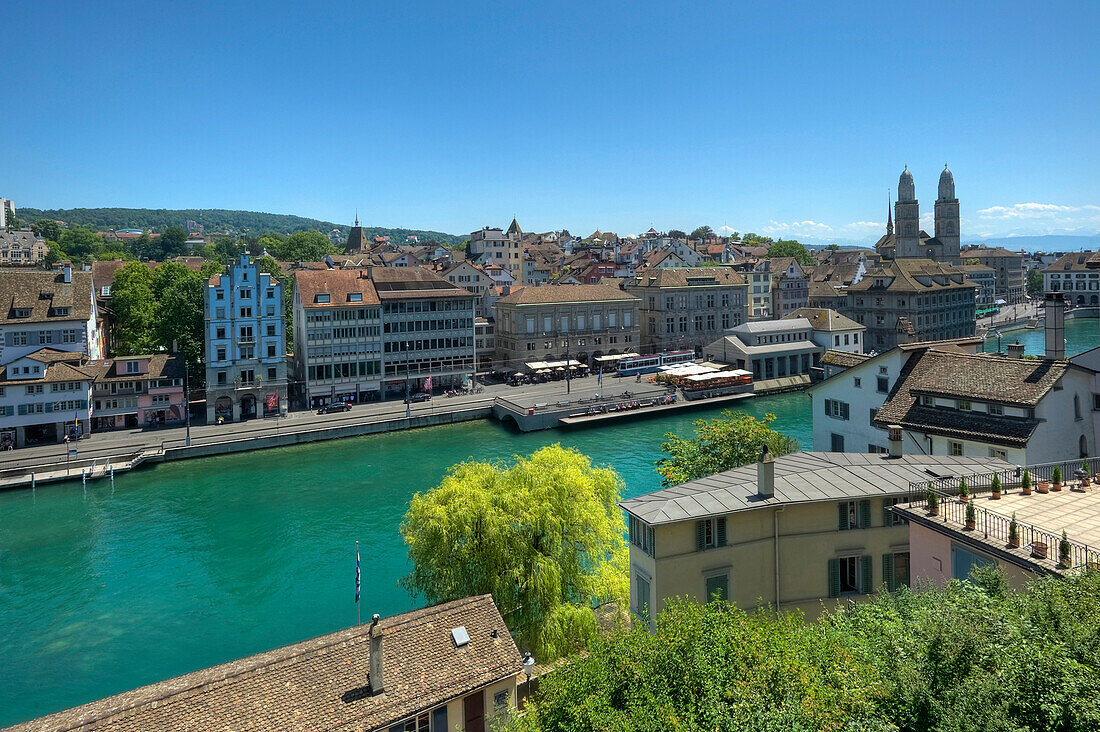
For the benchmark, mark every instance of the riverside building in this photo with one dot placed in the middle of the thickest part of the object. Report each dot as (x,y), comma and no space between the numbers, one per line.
(687,308)
(55,310)
(245,344)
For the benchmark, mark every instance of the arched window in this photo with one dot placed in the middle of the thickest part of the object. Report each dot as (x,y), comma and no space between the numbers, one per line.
(950,227)
(1084,447)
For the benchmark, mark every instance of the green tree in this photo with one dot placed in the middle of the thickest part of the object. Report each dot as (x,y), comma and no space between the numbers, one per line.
(145,247)
(702,231)
(48,229)
(79,243)
(305,246)
(135,309)
(833,247)
(544,536)
(756,239)
(1035,282)
(791,249)
(173,242)
(180,320)
(727,442)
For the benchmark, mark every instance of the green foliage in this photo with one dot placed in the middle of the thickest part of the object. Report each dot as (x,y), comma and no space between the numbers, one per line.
(1034,282)
(710,667)
(756,240)
(1064,549)
(1013,530)
(727,442)
(79,244)
(1085,466)
(677,234)
(135,309)
(544,536)
(971,655)
(932,497)
(305,246)
(995,484)
(791,249)
(971,512)
(964,489)
(13,222)
(702,231)
(173,242)
(1056,475)
(48,229)
(833,247)
(1026,480)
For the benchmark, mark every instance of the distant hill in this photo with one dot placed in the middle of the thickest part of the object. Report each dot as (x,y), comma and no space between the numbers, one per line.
(215,219)
(1046,243)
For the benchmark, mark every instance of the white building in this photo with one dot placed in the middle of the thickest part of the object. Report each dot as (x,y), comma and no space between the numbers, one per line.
(773,349)
(1077,275)
(7,208)
(831,330)
(245,344)
(48,310)
(44,396)
(952,401)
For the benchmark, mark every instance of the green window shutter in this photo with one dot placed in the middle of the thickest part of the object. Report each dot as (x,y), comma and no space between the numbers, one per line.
(842,510)
(49,406)
(886,512)
(834,578)
(864,514)
(700,535)
(721,522)
(651,536)
(22,409)
(866,580)
(888,572)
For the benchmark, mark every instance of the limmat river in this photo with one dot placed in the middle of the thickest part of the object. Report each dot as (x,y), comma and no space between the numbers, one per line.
(186,565)
(189,564)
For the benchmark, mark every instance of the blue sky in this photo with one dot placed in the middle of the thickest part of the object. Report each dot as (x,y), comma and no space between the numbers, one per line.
(792,119)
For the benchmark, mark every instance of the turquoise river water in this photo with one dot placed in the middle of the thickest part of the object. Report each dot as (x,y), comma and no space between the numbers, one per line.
(189,564)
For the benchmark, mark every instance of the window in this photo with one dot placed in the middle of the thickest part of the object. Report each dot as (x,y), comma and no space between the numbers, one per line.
(996,453)
(850,575)
(246,293)
(221,377)
(717,587)
(710,533)
(246,312)
(500,700)
(895,570)
(836,409)
(133,367)
(641,597)
(219,294)
(221,354)
(883,384)
(964,560)
(927,401)
(641,534)
(963,405)
(997,409)
(856,382)
(837,442)
(272,374)
(954,449)
(1076,406)
(889,518)
(854,515)
(323,298)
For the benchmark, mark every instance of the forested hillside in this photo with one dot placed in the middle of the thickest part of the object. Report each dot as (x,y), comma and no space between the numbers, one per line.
(213,219)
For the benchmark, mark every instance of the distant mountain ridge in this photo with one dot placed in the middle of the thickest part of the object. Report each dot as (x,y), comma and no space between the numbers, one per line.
(214,219)
(1043,243)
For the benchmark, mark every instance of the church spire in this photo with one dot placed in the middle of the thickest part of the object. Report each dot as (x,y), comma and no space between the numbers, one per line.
(889,220)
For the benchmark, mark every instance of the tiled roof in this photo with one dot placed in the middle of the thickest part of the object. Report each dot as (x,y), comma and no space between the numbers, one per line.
(565,294)
(844,359)
(905,275)
(338,284)
(680,276)
(801,477)
(60,366)
(40,292)
(161,366)
(957,375)
(825,319)
(320,684)
(1075,262)
(396,283)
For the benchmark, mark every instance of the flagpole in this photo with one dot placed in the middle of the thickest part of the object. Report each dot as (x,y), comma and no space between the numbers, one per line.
(358,621)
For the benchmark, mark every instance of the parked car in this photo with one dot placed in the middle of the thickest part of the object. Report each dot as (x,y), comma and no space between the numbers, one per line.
(421,396)
(334,408)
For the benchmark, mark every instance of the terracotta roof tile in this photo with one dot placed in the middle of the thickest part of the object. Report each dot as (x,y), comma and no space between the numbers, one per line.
(338,284)
(565,294)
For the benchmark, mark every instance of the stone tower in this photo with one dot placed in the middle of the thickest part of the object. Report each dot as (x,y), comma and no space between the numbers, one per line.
(907,219)
(947,217)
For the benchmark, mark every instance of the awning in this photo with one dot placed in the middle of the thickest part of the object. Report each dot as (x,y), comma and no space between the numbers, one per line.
(535,365)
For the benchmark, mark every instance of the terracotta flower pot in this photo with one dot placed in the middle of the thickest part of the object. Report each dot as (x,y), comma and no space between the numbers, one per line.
(1014,542)
(1025,491)
(1064,563)
(970,525)
(964,499)
(1039,549)
(934,511)
(1043,487)
(1056,486)
(996,495)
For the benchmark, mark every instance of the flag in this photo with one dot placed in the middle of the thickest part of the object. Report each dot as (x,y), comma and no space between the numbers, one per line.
(273,401)
(357,573)
(428,384)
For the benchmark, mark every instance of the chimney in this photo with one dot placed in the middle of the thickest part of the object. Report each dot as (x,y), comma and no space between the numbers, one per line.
(1016,350)
(1055,322)
(377,684)
(67,273)
(765,473)
(893,440)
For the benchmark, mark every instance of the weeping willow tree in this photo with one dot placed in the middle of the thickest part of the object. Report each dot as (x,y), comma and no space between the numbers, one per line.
(543,536)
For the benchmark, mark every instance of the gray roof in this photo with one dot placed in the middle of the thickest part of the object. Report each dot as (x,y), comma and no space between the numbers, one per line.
(801,477)
(765,348)
(773,326)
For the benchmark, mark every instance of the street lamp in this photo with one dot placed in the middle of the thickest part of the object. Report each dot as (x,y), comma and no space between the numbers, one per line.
(528,669)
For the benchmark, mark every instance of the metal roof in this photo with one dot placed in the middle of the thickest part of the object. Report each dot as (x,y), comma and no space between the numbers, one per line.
(802,477)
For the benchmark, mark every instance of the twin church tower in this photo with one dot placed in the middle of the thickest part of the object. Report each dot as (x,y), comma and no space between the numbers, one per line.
(909,241)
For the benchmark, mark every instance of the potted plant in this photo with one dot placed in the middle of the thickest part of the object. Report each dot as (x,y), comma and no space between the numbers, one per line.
(1039,549)
(933,501)
(1025,484)
(1013,532)
(1056,478)
(1085,473)
(964,491)
(1063,552)
(995,487)
(971,516)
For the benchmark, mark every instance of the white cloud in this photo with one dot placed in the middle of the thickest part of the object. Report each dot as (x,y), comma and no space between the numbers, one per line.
(797,228)
(1021,219)
(725,231)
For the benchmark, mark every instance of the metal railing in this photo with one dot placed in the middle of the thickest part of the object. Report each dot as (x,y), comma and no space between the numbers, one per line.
(981,483)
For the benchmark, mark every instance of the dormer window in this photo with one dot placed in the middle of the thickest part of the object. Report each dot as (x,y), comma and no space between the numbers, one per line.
(133,367)
(355,297)
(22,312)
(323,299)
(60,312)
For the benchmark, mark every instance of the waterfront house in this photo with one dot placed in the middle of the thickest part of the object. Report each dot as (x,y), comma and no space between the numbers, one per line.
(44,396)
(789,287)
(55,309)
(245,343)
(137,391)
(449,667)
(1007,267)
(545,323)
(831,330)
(1077,275)
(773,349)
(788,532)
(687,307)
(337,336)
